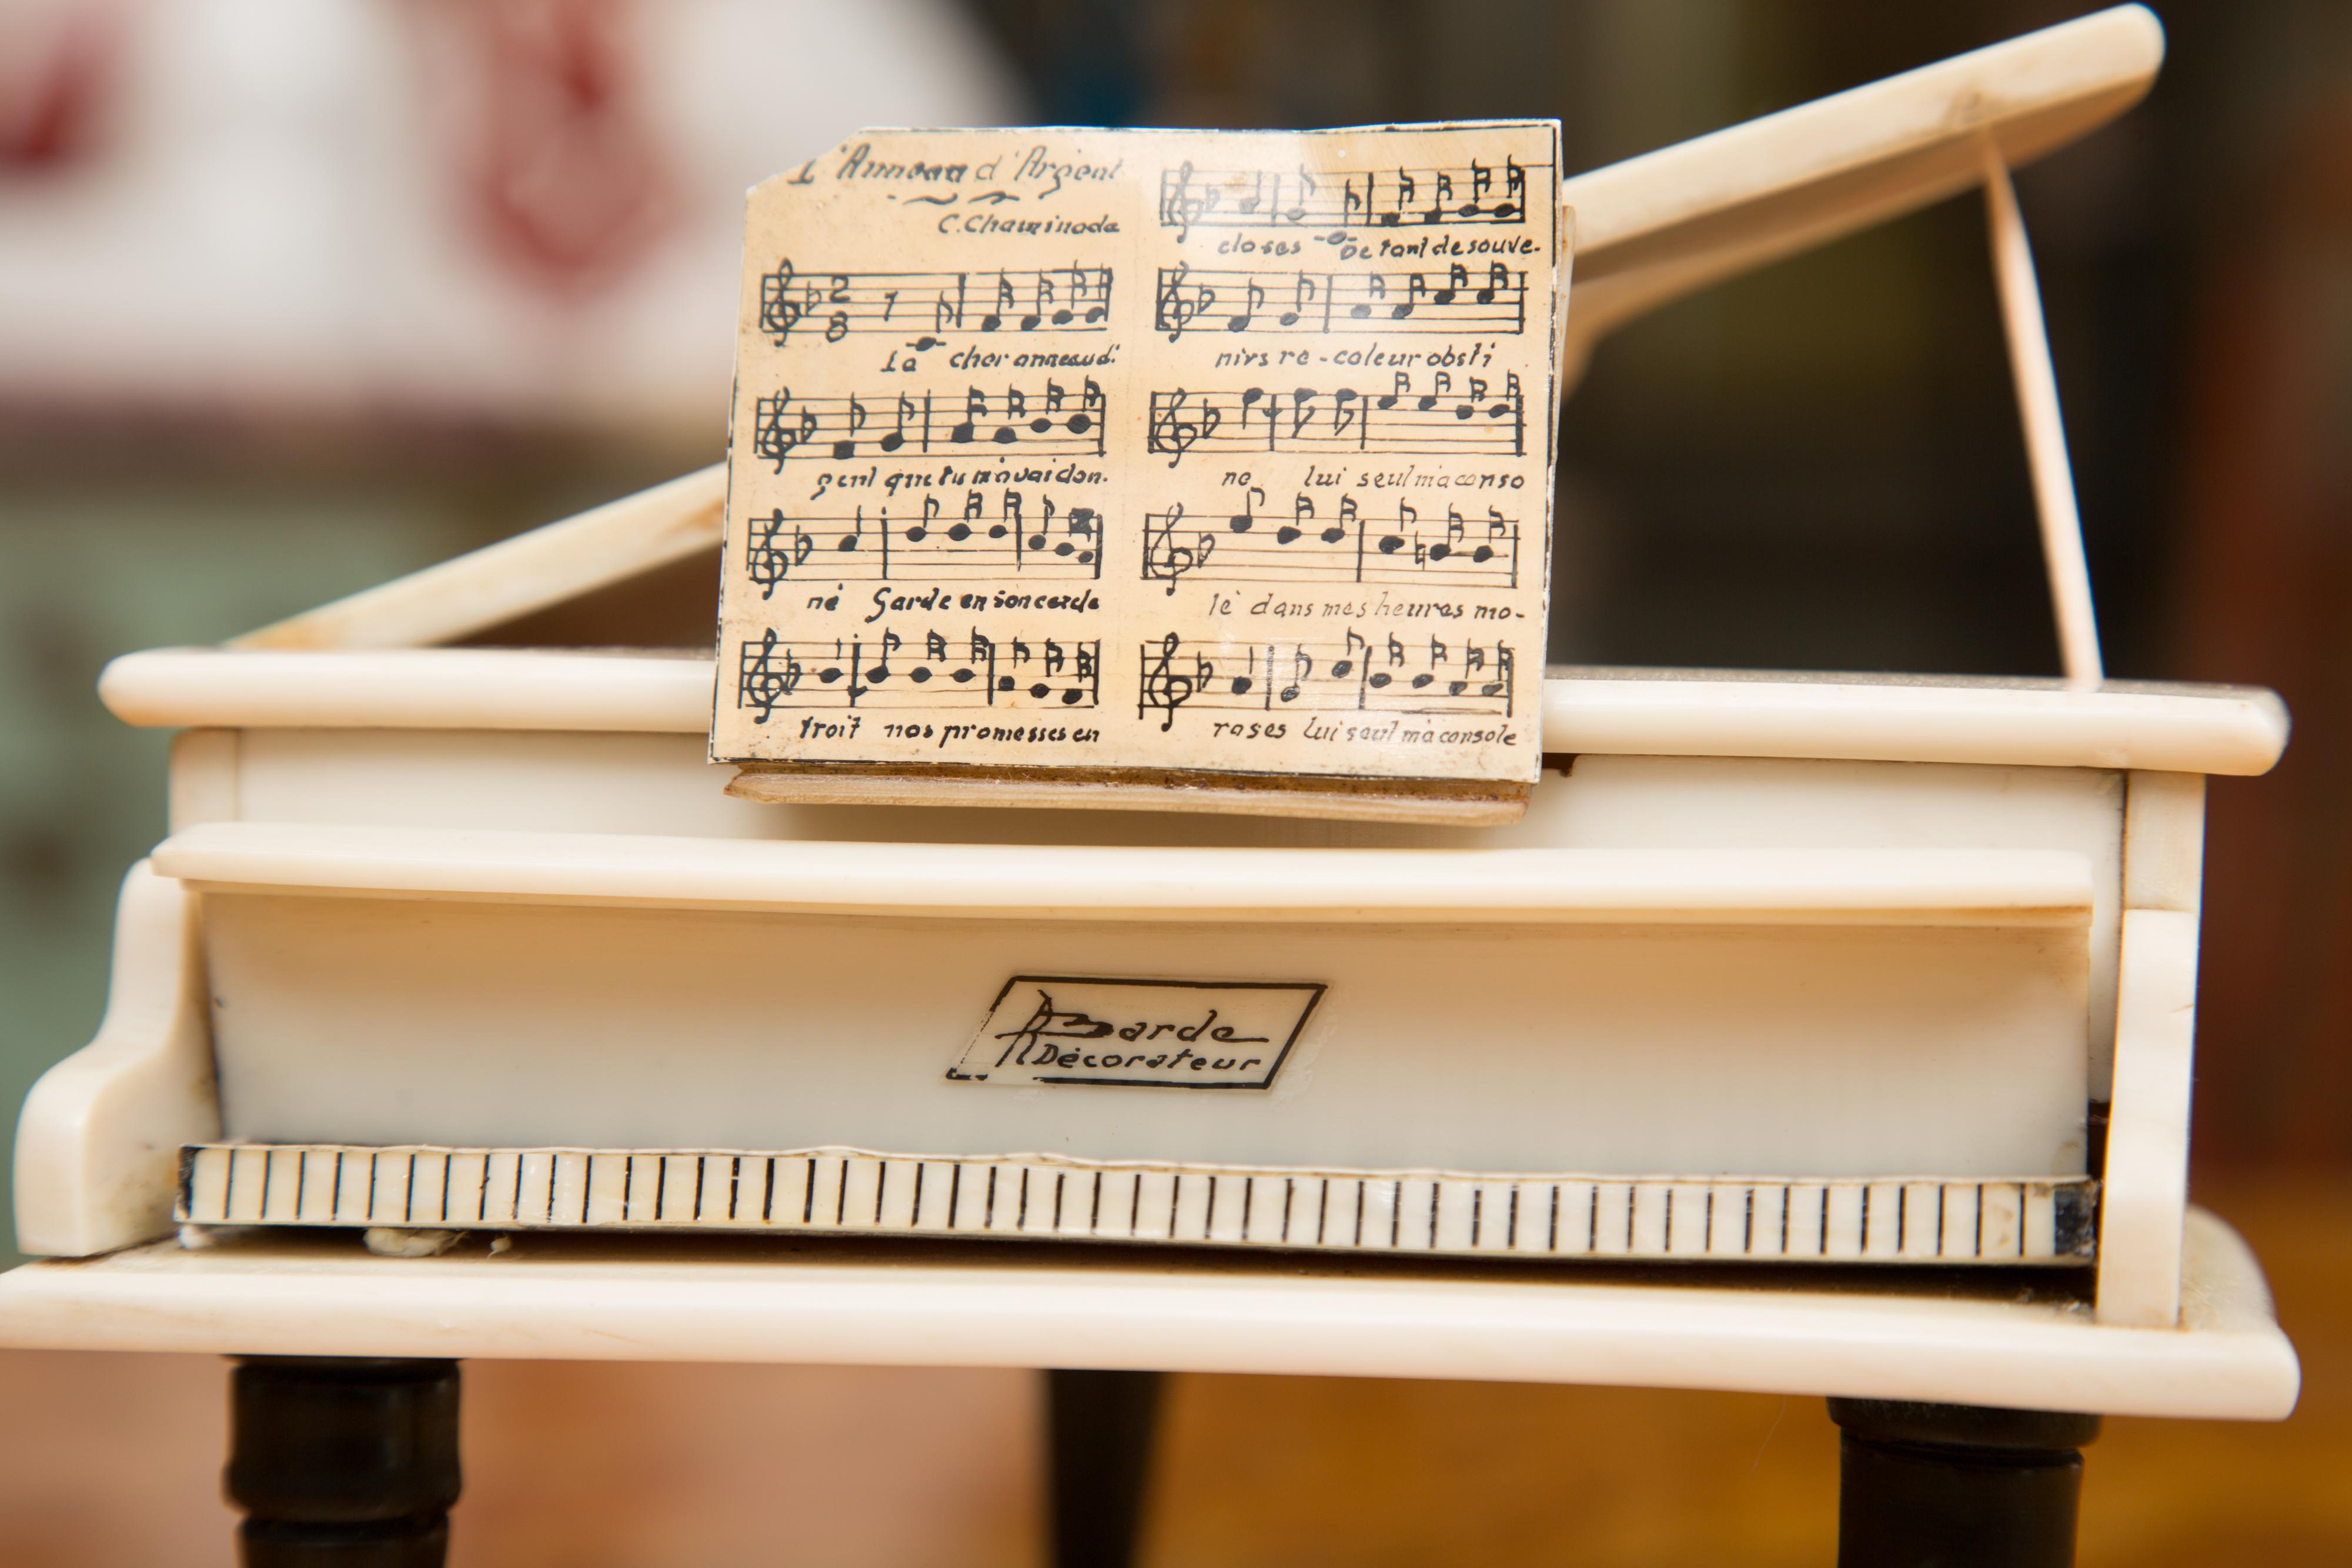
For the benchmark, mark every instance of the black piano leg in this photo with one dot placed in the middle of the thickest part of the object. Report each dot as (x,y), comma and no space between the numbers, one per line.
(1957,1486)
(1098,1433)
(343,1463)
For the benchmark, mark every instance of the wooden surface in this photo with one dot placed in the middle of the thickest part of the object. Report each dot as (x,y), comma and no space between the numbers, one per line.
(610,1465)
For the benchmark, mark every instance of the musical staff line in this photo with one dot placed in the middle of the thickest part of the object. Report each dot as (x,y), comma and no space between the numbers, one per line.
(836,305)
(911,426)
(1449,552)
(1193,198)
(1209,299)
(1441,422)
(1009,672)
(1351,675)
(1049,539)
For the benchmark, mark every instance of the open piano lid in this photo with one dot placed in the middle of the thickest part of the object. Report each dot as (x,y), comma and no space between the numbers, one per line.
(1653,228)
(1649,230)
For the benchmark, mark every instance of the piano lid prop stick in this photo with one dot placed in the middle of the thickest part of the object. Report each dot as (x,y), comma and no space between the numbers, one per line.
(514,577)
(2045,433)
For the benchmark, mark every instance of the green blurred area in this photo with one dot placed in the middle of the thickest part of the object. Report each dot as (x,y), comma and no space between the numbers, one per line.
(96,561)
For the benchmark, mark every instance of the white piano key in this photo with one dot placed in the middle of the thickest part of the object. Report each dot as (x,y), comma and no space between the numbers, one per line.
(1303,1202)
(2038,1235)
(204,1184)
(1692,1211)
(857,1199)
(1960,1232)
(1842,1219)
(1451,1203)
(1155,1206)
(1884,1221)
(1492,1222)
(1731,1204)
(1651,1209)
(429,1173)
(500,1171)
(1923,1219)
(1380,1218)
(2002,1233)
(1767,1229)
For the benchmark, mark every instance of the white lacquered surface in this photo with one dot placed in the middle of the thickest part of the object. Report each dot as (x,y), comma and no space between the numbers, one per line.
(983,1305)
(1682,887)
(1669,713)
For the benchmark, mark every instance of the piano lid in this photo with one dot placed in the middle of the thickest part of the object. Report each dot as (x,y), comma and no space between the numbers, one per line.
(1649,229)
(1653,228)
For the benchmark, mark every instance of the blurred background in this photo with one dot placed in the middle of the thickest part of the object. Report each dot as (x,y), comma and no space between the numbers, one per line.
(299,294)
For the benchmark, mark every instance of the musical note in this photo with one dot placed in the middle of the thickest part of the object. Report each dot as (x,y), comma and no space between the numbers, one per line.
(1304,290)
(1355,673)
(1090,295)
(869,544)
(856,673)
(847,448)
(1340,301)
(1437,422)
(1193,198)
(784,428)
(856,303)
(1352,547)
(995,318)
(1253,300)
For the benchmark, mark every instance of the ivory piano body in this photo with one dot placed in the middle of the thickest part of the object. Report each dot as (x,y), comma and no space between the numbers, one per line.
(1885,971)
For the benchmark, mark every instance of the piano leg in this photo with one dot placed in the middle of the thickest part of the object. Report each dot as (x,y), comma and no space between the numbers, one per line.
(1098,1427)
(1957,1484)
(343,1462)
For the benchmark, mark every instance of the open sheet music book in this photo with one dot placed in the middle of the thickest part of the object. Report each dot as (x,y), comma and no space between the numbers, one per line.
(1178,469)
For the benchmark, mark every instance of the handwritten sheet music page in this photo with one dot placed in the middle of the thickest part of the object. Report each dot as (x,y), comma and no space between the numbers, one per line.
(1164,469)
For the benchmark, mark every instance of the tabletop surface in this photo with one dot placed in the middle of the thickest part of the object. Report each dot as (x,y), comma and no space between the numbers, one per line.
(2016,1338)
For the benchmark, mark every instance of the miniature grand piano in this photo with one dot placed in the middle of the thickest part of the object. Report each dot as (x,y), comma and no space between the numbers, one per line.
(1897,971)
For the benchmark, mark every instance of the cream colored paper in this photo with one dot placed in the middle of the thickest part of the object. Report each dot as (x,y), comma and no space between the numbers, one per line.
(1146,451)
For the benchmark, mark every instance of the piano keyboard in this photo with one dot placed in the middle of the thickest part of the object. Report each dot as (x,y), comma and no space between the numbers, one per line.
(846,1191)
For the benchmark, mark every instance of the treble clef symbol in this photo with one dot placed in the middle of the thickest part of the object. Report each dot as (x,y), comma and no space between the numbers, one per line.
(1178,205)
(779,313)
(1166,560)
(1172,432)
(1180,308)
(759,684)
(775,432)
(1163,688)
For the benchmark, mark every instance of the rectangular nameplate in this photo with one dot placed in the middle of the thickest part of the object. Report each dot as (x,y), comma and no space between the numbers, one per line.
(1148,1034)
(1178,459)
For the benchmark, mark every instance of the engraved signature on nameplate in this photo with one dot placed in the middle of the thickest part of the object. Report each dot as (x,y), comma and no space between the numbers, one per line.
(1171,1034)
